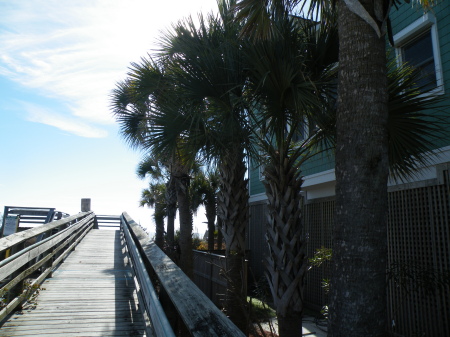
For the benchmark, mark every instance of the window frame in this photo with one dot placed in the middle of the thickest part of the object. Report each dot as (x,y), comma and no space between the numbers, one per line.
(261,169)
(425,23)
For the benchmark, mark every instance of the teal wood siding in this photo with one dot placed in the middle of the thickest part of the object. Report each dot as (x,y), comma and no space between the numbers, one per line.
(316,164)
(256,186)
(401,18)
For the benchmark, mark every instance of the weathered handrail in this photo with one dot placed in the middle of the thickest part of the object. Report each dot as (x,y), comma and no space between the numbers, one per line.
(160,324)
(10,241)
(200,316)
(40,256)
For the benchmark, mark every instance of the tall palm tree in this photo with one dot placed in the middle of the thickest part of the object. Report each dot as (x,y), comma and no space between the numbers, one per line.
(362,159)
(154,167)
(204,190)
(208,68)
(140,103)
(155,197)
(292,80)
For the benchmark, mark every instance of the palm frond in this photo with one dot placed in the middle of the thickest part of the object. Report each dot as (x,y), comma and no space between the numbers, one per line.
(417,121)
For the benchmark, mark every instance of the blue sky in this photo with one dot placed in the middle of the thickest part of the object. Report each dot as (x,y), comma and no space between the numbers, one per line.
(59,61)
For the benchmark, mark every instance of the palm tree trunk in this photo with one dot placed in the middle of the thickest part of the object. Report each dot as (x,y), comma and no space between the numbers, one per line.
(171,200)
(210,209)
(219,233)
(358,282)
(186,255)
(159,222)
(233,209)
(286,264)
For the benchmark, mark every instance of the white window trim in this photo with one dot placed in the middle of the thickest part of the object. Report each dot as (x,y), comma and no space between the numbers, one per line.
(427,21)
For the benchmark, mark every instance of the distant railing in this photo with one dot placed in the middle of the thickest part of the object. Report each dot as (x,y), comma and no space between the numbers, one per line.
(33,254)
(200,317)
(29,217)
(108,221)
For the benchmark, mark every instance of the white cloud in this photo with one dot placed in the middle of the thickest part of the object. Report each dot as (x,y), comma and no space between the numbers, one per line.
(72,125)
(75,51)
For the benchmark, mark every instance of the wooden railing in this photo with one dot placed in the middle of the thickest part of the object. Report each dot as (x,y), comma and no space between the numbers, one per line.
(28,257)
(208,267)
(200,317)
(32,255)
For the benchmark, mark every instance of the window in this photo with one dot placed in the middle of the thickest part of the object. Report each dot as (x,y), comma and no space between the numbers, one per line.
(418,45)
(419,53)
(304,130)
(302,133)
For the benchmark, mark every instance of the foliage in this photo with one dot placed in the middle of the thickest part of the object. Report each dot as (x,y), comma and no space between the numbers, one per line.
(260,310)
(197,243)
(196,99)
(206,63)
(416,122)
(204,187)
(3,298)
(155,196)
(202,245)
(320,256)
(29,294)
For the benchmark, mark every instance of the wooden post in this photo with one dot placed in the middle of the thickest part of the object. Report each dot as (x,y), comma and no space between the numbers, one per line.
(86,205)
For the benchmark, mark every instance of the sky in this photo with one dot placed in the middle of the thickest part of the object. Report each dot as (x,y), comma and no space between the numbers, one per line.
(59,62)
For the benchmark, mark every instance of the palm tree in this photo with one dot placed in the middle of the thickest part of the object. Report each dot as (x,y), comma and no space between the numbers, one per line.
(292,80)
(157,167)
(362,160)
(140,103)
(204,190)
(155,197)
(207,65)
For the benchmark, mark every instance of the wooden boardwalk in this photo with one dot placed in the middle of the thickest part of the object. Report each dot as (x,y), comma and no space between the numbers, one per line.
(91,294)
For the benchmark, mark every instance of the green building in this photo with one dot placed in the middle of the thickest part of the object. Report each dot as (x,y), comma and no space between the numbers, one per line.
(419,208)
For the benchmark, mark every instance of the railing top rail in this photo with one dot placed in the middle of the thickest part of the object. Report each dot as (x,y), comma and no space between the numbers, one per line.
(9,241)
(41,209)
(160,324)
(209,253)
(199,314)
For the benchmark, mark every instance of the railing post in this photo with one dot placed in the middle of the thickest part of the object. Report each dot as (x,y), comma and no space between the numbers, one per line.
(18,288)
(86,205)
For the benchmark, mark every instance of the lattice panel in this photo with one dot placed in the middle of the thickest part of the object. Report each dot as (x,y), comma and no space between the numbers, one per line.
(418,237)
(256,242)
(418,234)
(319,217)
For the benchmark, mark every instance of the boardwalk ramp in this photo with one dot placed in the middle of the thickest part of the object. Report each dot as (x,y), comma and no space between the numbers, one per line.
(91,294)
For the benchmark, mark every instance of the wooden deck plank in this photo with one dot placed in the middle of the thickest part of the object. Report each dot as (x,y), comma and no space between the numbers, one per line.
(91,294)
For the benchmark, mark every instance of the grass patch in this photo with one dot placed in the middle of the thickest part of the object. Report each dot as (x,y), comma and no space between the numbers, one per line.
(260,310)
